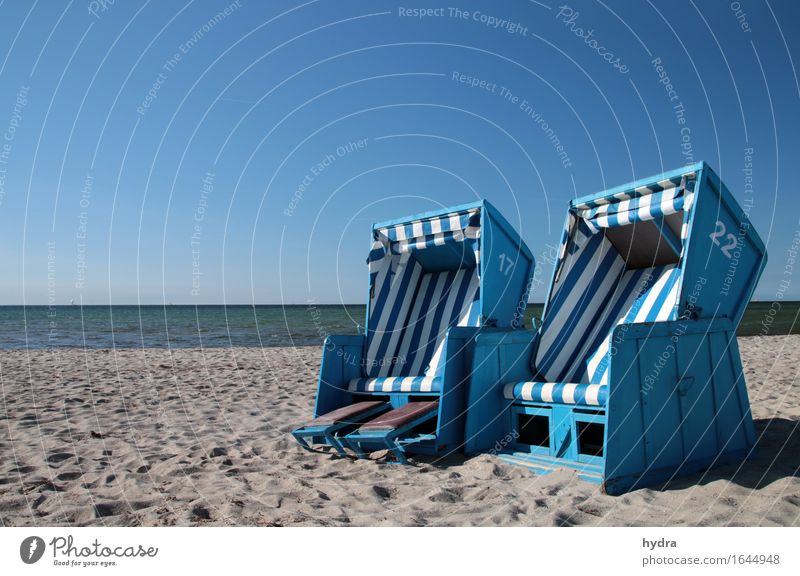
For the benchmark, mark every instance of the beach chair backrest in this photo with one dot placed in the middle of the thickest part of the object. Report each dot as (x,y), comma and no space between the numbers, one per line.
(424,278)
(619,263)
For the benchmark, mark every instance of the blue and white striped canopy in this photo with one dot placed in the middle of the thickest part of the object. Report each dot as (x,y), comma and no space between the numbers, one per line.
(639,205)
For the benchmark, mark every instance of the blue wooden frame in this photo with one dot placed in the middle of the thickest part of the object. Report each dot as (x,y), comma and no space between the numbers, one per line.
(692,414)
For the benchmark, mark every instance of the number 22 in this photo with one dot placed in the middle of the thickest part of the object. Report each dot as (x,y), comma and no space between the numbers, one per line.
(718,232)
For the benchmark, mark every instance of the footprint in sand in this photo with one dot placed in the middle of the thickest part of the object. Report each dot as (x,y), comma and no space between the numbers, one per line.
(69,476)
(58,457)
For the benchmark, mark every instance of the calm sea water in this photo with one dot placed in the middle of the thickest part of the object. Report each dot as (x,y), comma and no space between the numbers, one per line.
(220,326)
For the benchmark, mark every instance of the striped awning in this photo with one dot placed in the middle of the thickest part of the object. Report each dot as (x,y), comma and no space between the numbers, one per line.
(456,226)
(642,204)
(428,233)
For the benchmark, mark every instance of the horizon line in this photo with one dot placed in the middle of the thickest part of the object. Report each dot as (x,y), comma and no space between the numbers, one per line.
(259,304)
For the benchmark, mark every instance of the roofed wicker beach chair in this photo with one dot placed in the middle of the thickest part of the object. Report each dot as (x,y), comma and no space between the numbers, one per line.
(434,279)
(634,376)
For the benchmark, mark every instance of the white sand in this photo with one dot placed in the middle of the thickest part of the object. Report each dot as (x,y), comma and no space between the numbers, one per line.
(188,437)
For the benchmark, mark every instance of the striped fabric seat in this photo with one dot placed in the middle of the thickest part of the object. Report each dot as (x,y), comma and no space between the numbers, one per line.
(412,305)
(605,277)
(557,392)
(391,384)
(594,294)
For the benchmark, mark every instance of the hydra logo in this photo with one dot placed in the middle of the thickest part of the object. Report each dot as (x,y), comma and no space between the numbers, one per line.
(31,549)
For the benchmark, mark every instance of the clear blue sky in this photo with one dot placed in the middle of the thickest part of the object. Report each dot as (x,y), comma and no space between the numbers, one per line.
(128,174)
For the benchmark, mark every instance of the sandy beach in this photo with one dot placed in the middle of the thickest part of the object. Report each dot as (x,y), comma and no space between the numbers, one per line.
(191,437)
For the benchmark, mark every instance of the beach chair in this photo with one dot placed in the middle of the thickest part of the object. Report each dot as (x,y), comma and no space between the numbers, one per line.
(434,279)
(634,376)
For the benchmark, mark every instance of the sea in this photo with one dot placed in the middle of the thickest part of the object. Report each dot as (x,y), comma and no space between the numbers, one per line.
(214,326)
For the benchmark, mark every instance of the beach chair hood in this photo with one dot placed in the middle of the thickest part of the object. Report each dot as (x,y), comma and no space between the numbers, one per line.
(627,256)
(426,275)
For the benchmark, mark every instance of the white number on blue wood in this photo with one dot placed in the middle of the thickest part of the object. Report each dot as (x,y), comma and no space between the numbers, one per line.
(506,264)
(719,231)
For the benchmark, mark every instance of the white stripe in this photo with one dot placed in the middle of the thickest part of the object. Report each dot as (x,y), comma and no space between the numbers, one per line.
(668,307)
(602,350)
(438,290)
(455,222)
(568,393)
(652,295)
(394,332)
(444,323)
(575,300)
(688,200)
(547,392)
(469,301)
(414,318)
(589,304)
(527,391)
(397,330)
(376,335)
(592,394)
(406,384)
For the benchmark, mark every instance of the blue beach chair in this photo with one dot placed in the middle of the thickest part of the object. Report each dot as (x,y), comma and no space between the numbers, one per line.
(634,375)
(434,279)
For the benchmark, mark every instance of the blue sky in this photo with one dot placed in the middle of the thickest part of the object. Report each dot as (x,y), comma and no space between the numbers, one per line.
(208,152)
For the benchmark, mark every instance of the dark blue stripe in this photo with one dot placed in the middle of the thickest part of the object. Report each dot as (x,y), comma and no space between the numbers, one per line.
(392,322)
(577,312)
(581,310)
(430,348)
(635,277)
(419,322)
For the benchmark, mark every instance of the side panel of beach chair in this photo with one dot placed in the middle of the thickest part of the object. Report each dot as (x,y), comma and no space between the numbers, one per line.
(634,376)
(674,417)
(435,279)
